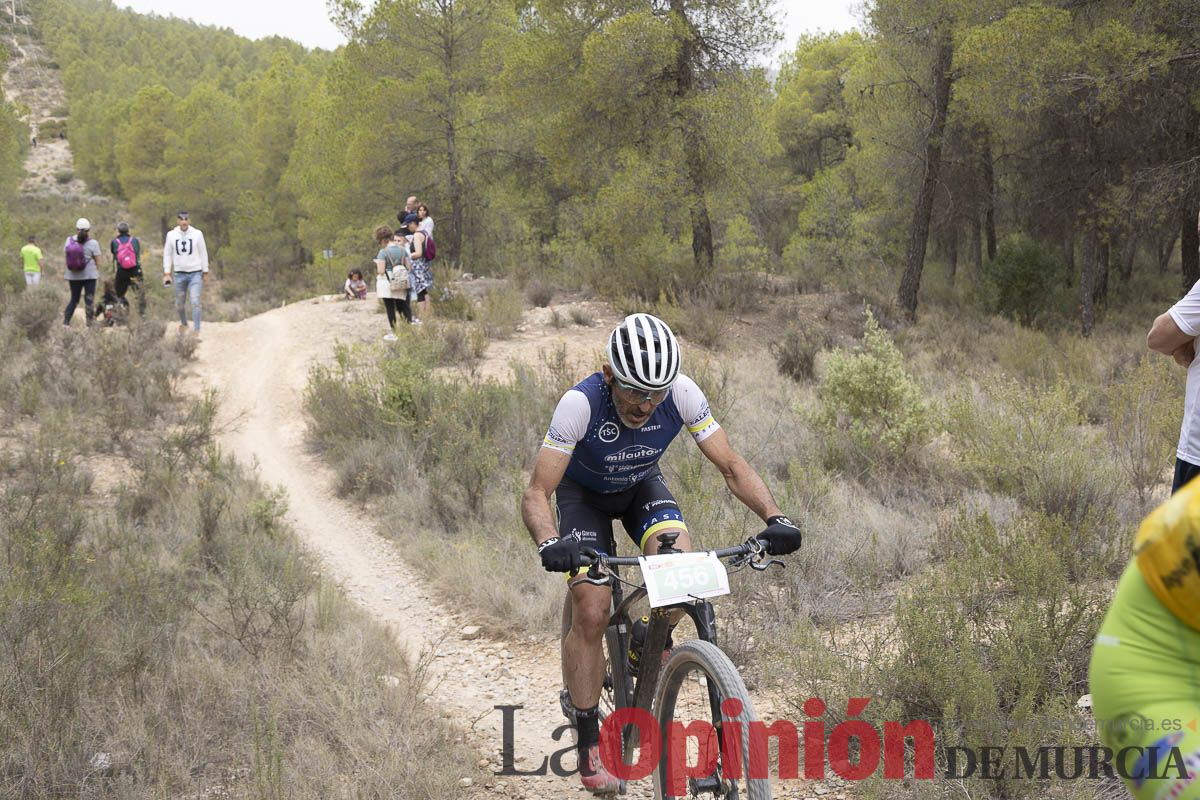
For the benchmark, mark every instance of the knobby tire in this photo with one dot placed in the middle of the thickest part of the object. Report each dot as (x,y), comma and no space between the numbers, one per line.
(706,658)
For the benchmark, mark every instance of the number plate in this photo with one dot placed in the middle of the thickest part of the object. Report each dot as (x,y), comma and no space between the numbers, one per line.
(679,577)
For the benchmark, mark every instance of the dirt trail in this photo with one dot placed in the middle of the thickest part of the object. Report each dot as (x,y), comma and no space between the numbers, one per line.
(260,367)
(33,83)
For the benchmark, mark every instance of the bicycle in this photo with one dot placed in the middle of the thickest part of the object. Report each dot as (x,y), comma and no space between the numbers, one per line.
(656,687)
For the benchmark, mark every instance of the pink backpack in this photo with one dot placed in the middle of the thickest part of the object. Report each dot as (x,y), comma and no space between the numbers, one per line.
(126,255)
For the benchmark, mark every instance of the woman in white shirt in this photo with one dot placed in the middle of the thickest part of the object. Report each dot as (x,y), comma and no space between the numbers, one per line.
(426,222)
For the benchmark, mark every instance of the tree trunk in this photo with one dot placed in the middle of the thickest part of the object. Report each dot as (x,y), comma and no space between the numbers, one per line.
(910,283)
(989,198)
(977,249)
(952,251)
(694,144)
(456,193)
(1166,248)
(1100,290)
(1068,251)
(1128,254)
(1189,241)
(1087,281)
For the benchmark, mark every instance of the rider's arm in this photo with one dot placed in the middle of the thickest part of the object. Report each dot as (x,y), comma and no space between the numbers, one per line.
(741,478)
(535,502)
(567,427)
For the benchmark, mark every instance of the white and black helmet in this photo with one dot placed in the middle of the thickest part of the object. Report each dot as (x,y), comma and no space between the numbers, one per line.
(643,352)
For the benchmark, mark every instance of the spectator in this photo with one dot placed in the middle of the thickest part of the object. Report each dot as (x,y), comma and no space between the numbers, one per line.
(127,264)
(410,207)
(422,274)
(81,252)
(389,262)
(34,262)
(356,287)
(425,221)
(185,262)
(1174,334)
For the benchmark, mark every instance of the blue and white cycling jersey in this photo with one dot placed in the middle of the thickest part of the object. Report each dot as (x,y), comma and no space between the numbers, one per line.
(605,455)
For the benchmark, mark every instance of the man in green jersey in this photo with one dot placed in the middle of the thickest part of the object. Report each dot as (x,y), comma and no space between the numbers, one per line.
(31,255)
(1145,670)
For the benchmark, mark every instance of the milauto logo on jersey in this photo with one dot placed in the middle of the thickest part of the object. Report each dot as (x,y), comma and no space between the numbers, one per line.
(633,453)
(853,749)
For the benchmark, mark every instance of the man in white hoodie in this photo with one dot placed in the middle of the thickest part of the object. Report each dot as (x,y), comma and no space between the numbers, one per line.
(185,261)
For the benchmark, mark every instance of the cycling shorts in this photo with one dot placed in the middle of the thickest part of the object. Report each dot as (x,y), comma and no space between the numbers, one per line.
(645,509)
(1145,684)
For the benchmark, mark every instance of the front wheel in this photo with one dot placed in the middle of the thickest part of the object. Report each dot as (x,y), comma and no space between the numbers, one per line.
(695,682)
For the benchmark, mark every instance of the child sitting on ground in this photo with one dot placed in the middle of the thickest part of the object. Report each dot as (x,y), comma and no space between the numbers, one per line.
(356,287)
(111,310)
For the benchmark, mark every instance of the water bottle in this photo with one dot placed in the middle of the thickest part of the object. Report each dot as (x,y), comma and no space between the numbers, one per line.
(637,638)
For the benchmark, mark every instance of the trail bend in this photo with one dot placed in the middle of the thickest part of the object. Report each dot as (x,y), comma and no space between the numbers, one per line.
(259,367)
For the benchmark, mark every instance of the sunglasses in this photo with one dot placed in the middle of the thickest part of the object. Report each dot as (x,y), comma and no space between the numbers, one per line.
(643,395)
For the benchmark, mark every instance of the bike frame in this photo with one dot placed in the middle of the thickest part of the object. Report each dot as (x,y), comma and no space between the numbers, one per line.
(640,694)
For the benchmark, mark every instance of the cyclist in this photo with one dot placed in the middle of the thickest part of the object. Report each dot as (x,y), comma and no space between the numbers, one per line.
(600,459)
(1146,657)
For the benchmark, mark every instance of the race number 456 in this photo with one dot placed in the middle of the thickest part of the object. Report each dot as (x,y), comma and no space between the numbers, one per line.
(678,577)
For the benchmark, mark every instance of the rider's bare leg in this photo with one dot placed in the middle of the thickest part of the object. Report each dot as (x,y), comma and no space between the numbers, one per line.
(582,649)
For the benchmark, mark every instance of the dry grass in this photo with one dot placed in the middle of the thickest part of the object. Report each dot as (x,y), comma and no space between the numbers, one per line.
(170,638)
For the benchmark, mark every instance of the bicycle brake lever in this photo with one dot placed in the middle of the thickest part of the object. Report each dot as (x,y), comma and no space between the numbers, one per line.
(595,572)
(763,567)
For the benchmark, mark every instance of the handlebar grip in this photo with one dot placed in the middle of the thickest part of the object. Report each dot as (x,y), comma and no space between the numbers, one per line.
(590,554)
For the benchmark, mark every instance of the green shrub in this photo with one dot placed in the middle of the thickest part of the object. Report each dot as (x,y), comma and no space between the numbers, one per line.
(456,305)
(1143,424)
(500,313)
(580,317)
(1000,634)
(64,176)
(35,312)
(1032,444)
(460,344)
(870,398)
(796,353)
(539,294)
(693,317)
(1025,280)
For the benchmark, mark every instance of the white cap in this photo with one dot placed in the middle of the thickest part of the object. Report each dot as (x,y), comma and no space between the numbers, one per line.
(82,224)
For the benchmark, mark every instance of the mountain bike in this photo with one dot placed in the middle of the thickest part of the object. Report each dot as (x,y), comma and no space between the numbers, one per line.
(691,684)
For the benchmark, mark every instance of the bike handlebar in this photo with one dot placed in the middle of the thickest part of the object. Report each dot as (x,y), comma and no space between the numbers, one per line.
(750,547)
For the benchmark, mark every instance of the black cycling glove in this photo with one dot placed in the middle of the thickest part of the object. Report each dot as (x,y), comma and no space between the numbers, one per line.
(561,555)
(781,536)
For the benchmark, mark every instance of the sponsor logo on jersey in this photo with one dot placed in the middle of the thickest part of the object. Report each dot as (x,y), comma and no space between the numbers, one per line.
(647,428)
(555,436)
(609,432)
(657,503)
(635,452)
(704,412)
(1147,766)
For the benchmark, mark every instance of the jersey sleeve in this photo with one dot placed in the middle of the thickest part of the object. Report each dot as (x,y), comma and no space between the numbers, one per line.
(569,423)
(693,408)
(1186,312)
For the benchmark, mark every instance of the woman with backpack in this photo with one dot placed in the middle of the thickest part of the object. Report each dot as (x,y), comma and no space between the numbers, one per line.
(391,273)
(82,254)
(421,252)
